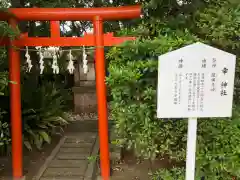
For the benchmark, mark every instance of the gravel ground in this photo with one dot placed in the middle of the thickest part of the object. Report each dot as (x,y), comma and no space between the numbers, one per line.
(85,116)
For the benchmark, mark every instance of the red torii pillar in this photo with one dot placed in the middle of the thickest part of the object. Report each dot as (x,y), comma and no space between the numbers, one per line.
(99,39)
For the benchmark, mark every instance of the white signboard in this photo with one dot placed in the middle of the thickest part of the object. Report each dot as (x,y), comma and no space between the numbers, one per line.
(195,81)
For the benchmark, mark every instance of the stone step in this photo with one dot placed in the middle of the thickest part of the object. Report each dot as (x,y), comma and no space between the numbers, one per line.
(80,140)
(81,135)
(62,178)
(83,126)
(75,150)
(77,145)
(72,156)
(81,164)
(63,172)
(86,89)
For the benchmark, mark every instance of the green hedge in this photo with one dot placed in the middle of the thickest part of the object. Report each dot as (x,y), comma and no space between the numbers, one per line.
(132,80)
(42,107)
(133,84)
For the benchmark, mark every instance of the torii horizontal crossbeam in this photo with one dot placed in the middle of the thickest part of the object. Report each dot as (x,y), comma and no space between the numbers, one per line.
(98,39)
(71,14)
(86,40)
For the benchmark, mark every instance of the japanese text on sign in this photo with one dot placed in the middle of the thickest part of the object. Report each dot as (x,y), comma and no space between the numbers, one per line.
(195,81)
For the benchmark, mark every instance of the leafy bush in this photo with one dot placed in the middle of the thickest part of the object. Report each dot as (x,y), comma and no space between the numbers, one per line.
(42,114)
(42,107)
(5,30)
(132,81)
(4,127)
(3,74)
(218,149)
(179,174)
(3,82)
(173,174)
(4,134)
(220,26)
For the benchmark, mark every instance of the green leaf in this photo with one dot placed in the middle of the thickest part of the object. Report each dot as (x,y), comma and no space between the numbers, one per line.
(28,145)
(45,136)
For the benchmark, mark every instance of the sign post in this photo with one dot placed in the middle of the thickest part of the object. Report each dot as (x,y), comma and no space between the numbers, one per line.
(191,148)
(196,81)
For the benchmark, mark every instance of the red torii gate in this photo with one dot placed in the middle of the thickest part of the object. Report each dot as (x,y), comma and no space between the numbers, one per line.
(99,39)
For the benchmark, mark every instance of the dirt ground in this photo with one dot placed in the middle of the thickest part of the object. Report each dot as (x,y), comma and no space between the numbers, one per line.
(32,161)
(129,168)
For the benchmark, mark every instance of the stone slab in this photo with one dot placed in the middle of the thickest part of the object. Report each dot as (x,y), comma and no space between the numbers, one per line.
(72,156)
(69,161)
(63,172)
(49,159)
(79,140)
(56,163)
(11,178)
(77,145)
(75,150)
(91,170)
(85,101)
(62,178)
(81,135)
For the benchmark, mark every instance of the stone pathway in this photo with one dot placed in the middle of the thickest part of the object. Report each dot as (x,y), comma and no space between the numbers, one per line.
(70,159)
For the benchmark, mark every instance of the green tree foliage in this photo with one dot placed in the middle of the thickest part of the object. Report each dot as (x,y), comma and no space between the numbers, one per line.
(43,113)
(133,80)
(4,126)
(173,174)
(42,106)
(166,26)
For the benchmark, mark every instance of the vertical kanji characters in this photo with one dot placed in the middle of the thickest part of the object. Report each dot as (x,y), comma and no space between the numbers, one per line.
(175,94)
(224,84)
(204,63)
(190,79)
(180,63)
(202,83)
(198,89)
(225,70)
(213,82)
(179,87)
(223,91)
(194,91)
(214,63)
